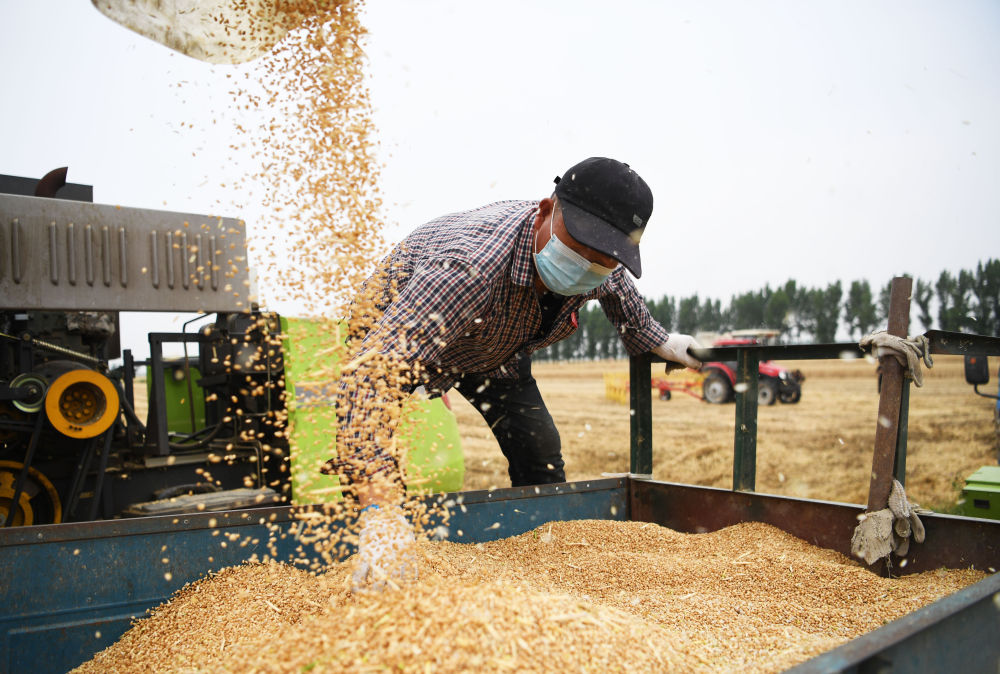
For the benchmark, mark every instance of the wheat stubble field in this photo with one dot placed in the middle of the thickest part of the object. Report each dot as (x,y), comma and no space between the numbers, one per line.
(820,448)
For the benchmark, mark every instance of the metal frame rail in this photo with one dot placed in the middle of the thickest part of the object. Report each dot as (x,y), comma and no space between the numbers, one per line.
(158,438)
(747,359)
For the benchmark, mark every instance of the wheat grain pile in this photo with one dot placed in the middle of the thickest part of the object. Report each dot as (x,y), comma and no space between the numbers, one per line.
(588,595)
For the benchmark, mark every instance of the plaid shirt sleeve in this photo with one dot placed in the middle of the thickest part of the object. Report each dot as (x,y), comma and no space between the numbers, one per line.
(434,305)
(627,311)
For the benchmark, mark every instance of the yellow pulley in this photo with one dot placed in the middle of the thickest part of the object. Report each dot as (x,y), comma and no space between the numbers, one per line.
(39,501)
(81,403)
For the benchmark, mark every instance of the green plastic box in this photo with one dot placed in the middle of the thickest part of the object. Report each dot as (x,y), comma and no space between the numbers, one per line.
(435,462)
(179,399)
(981,494)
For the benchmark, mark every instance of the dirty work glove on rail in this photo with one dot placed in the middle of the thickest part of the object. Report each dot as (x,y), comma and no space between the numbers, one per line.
(905,522)
(907,352)
(888,530)
(386,550)
(675,352)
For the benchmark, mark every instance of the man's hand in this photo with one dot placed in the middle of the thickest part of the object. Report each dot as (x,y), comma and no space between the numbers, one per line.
(386,550)
(675,350)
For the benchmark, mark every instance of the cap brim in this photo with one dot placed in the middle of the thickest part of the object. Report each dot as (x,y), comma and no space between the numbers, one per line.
(593,232)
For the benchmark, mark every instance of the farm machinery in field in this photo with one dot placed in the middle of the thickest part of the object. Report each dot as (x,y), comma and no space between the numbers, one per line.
(776,382)
(72,446)
(716,383)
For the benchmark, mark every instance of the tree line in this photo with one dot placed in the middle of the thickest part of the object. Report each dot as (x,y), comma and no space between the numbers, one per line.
(966,301)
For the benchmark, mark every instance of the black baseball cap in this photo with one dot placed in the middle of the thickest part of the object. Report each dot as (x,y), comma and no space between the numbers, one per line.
(605,206)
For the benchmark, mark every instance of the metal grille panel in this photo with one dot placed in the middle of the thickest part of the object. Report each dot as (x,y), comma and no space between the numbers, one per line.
(57,254)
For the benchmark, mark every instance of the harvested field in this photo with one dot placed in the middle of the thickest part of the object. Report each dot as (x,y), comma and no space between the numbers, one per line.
(820,448)
(568,596)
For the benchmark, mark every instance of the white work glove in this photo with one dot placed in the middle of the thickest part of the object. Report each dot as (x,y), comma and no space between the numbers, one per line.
(905,520)
(888,530)
(908,352)
(386,550)
(675,351)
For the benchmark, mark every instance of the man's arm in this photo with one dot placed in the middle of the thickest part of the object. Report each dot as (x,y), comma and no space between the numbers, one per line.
(639,331)
(436,304)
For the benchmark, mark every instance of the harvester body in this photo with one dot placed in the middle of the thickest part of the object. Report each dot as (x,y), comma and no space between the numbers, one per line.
(73,446)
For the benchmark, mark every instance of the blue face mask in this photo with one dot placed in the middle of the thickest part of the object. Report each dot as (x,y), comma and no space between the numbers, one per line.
(564,271)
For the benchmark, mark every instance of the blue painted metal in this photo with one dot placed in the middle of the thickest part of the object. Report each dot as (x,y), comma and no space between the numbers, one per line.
(501,513)
(70,590)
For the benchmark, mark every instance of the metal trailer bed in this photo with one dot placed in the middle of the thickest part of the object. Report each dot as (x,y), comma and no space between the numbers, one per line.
(70,590)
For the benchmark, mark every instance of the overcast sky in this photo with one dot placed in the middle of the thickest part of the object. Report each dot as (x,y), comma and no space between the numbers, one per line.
(809,140)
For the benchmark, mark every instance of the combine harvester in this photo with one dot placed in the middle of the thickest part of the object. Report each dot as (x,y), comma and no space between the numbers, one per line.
(71,589)
(74,448)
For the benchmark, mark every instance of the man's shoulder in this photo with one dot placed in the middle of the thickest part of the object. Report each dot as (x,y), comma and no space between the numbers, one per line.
(495,214)
(620,283)
(472,234)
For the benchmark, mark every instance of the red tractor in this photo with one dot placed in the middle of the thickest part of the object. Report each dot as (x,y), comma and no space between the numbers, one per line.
(775,382)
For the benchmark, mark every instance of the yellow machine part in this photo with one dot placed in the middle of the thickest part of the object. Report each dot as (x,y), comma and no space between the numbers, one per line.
(81,403)
(23,513)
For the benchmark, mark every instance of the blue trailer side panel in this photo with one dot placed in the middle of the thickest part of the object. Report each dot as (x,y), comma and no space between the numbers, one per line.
(70,590)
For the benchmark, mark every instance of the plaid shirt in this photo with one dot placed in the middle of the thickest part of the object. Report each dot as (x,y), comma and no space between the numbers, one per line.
(457,296)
